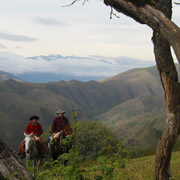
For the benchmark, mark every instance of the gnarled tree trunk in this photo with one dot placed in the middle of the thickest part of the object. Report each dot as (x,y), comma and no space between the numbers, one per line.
(171,86)
(166,33)
(10,164)
(169,78)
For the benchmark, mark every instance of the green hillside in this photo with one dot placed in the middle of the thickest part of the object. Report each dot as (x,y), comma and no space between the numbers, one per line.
(130,103)
(139,122)
(6,76)
(143,168)
(19,101)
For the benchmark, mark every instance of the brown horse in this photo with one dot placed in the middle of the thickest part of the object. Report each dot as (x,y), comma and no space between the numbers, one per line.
(55,145)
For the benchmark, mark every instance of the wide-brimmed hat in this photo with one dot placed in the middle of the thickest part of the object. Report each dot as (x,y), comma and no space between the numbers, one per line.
(60,111)
(33,117)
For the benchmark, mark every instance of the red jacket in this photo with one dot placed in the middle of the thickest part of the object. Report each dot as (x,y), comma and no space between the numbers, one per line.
(35,129)
(61,124)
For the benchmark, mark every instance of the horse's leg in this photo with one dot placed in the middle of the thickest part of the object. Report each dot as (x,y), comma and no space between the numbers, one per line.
(54,153)
(38,164)
(54,156)
(27,163)
(34,167)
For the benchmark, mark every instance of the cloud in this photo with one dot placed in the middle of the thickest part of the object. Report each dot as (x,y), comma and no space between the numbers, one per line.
(2,46)
(17,47)
(49,22)
(70,65)
(14,37)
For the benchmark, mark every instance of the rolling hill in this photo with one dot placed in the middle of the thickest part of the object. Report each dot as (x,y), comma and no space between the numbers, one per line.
(137,121)
(131,104)
(6,76)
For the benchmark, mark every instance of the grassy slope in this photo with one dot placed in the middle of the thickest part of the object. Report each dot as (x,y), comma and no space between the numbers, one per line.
(143,168)
(139,122)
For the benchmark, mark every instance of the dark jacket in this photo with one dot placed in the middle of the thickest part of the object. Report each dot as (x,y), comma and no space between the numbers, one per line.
(61,124)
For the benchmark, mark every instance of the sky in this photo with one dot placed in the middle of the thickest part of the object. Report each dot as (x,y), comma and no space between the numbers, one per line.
(43,27)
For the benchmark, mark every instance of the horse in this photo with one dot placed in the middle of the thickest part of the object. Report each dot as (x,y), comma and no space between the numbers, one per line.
(32,151)
(55,145)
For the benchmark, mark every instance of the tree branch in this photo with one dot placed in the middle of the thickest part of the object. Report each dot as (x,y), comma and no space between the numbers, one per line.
(153,18)
(84,2)
(70,4)
(113,14)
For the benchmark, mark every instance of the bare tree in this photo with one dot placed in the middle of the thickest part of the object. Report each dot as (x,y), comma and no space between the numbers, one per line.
(157,16)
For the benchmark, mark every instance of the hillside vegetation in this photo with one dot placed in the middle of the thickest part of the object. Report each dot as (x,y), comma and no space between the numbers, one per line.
(137,121)
(143,168)
(6,76)
(130,103)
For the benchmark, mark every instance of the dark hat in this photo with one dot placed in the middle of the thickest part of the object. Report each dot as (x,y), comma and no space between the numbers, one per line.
(33,117)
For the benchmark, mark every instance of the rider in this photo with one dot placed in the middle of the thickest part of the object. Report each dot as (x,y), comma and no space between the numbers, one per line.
(61,124)
(34,127)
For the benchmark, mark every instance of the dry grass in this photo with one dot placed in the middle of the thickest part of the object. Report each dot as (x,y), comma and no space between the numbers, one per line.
(143,168)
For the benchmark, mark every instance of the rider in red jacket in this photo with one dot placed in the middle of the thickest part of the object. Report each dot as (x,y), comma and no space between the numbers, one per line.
(35,128)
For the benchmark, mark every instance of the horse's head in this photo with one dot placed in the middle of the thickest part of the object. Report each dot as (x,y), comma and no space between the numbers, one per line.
(28,141)
(55,144)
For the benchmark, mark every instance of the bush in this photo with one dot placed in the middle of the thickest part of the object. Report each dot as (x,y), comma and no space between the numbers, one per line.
(94,139)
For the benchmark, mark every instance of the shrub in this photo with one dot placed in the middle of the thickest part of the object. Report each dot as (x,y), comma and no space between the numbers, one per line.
(93,138)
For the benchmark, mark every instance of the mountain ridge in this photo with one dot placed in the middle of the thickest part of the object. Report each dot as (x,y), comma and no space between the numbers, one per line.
(55,67)
(131,95)
(5,76)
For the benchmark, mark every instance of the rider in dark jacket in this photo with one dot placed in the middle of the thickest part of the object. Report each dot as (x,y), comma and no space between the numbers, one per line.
(61,123)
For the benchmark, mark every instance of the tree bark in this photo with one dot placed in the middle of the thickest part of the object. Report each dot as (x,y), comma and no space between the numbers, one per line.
(169,78)
(165,33)
(10,164)
(171,86)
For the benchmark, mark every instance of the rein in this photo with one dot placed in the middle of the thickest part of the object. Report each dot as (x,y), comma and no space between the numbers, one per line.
(56,138)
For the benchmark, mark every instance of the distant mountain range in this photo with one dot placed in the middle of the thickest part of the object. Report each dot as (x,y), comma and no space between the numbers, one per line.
(130,103)
(53,68)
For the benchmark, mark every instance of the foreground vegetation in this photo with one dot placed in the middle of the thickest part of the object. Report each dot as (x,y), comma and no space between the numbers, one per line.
(143,168)
(105,169)
(99,155)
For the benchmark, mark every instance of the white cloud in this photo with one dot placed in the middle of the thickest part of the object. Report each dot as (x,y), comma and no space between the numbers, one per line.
(71,65)
(14,37)
(2,46)
(17,47)
(90,30)
(49,21)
